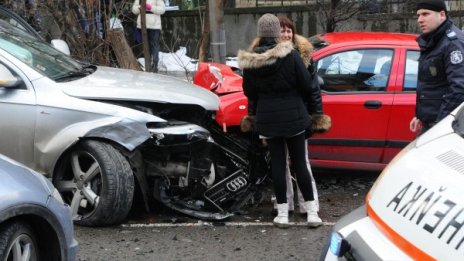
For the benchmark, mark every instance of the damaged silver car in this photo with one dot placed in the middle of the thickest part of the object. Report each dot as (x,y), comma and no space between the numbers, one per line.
(98,133)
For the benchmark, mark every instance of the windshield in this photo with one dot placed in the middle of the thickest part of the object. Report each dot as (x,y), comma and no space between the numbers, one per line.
(35,53)
(458,124)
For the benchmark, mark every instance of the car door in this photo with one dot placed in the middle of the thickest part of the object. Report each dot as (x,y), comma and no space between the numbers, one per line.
(404,103)
(17,116)
(355,94)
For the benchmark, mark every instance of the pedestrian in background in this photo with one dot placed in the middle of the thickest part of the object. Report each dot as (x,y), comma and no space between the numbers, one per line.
(440,87)
(154,10)
(275,81)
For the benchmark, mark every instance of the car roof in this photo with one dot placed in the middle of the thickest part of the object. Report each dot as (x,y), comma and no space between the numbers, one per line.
(358,38)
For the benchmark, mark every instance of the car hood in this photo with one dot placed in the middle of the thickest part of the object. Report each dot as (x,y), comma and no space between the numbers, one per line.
(129,85)
(423,183)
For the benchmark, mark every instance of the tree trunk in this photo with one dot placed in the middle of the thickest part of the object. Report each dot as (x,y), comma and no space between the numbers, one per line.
(146,49)
(122,50)
(204,39)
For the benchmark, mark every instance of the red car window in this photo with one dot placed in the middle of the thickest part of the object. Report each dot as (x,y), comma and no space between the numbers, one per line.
(410,71)
(356,70)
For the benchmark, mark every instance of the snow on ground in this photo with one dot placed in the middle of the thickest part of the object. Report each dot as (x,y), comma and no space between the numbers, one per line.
(180,62)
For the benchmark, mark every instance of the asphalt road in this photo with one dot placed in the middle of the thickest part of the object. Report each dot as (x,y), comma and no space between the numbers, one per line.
(165,235)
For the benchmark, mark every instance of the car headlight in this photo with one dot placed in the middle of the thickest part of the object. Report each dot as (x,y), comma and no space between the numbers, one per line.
(338,245)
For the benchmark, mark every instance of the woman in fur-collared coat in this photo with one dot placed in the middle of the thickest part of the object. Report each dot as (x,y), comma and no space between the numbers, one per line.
(275,81)
(305,49)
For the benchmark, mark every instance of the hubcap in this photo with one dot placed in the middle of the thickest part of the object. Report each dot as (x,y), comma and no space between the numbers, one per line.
(80,184)
(22,249)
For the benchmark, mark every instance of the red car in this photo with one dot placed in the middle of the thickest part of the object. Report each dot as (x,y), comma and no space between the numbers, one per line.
(368,82)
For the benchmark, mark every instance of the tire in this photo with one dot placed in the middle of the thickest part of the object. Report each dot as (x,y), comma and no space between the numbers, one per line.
(18,241)
(96,180)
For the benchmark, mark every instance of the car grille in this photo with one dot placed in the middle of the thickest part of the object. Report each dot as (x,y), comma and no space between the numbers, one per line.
(227,188)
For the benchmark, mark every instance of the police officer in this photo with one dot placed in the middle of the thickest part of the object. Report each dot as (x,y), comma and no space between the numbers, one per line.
(440,87)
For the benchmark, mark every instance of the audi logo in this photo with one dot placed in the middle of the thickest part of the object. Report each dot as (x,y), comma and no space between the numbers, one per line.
(236,184)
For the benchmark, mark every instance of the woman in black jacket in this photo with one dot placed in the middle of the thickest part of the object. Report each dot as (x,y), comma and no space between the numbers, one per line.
(275,81)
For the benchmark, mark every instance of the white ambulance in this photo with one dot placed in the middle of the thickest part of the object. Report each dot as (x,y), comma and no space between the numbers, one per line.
(415,209)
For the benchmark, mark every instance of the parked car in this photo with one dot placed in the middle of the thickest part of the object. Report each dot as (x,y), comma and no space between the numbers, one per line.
(368,83)
(98,132)
(414,209)
(15,20)
(35,223)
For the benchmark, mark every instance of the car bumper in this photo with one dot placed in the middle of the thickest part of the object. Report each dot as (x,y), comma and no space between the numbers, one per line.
(72,250)
(366,240)
(64,228)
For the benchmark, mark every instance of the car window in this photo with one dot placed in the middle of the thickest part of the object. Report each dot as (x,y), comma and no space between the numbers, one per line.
(410,71)
(356,70)
(38,55)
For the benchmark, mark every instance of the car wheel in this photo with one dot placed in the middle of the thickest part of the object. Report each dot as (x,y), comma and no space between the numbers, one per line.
(18,241)
(96,180)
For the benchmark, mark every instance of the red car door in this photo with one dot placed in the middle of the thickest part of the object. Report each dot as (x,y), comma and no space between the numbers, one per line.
(404,103)
(356,95)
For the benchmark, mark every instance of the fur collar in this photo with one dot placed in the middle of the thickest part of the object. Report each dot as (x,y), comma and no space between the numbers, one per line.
(305,48)
(252,60)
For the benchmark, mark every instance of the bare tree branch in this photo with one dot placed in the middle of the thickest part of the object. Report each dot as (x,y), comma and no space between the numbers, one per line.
(333,12)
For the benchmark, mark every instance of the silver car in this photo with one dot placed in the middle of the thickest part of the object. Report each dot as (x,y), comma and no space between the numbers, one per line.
(35,223)
(98,132)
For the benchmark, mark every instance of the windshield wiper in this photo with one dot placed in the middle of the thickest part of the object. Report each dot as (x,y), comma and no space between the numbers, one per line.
(83,72)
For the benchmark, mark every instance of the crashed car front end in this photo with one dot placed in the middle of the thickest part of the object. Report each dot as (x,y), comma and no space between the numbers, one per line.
(184,166)
(99,132)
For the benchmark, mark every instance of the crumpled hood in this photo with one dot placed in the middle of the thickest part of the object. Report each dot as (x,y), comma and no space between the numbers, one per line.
(129,85)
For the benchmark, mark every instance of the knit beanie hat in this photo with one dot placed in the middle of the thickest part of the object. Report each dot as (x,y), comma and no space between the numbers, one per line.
(434,5)
(269,26)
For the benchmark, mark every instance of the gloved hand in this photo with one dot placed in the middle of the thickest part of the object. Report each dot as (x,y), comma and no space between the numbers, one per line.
(148,6)
(247,123)
(320,123)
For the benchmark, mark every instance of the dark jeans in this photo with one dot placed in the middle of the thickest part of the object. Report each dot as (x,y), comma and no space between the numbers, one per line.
(296,150)
(154,44)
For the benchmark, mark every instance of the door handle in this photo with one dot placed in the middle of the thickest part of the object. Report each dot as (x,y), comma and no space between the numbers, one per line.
(372,104)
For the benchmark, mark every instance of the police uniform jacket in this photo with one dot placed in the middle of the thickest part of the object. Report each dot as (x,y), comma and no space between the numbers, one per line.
(440,86)
(275,80)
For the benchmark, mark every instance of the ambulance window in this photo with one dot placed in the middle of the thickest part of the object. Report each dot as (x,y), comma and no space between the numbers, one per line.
(458,125)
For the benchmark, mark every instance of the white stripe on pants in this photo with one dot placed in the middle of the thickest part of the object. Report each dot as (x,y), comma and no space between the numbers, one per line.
(290,192)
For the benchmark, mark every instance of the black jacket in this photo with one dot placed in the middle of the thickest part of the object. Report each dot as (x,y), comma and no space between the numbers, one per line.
(275,80)
(305,49)
(440,86)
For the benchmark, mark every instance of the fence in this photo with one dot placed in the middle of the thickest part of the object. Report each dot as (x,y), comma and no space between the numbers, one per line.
(367,6)
(402,6)
(264,3)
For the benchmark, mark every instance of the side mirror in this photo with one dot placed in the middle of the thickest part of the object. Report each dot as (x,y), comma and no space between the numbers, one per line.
(11,83)
(61,46)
